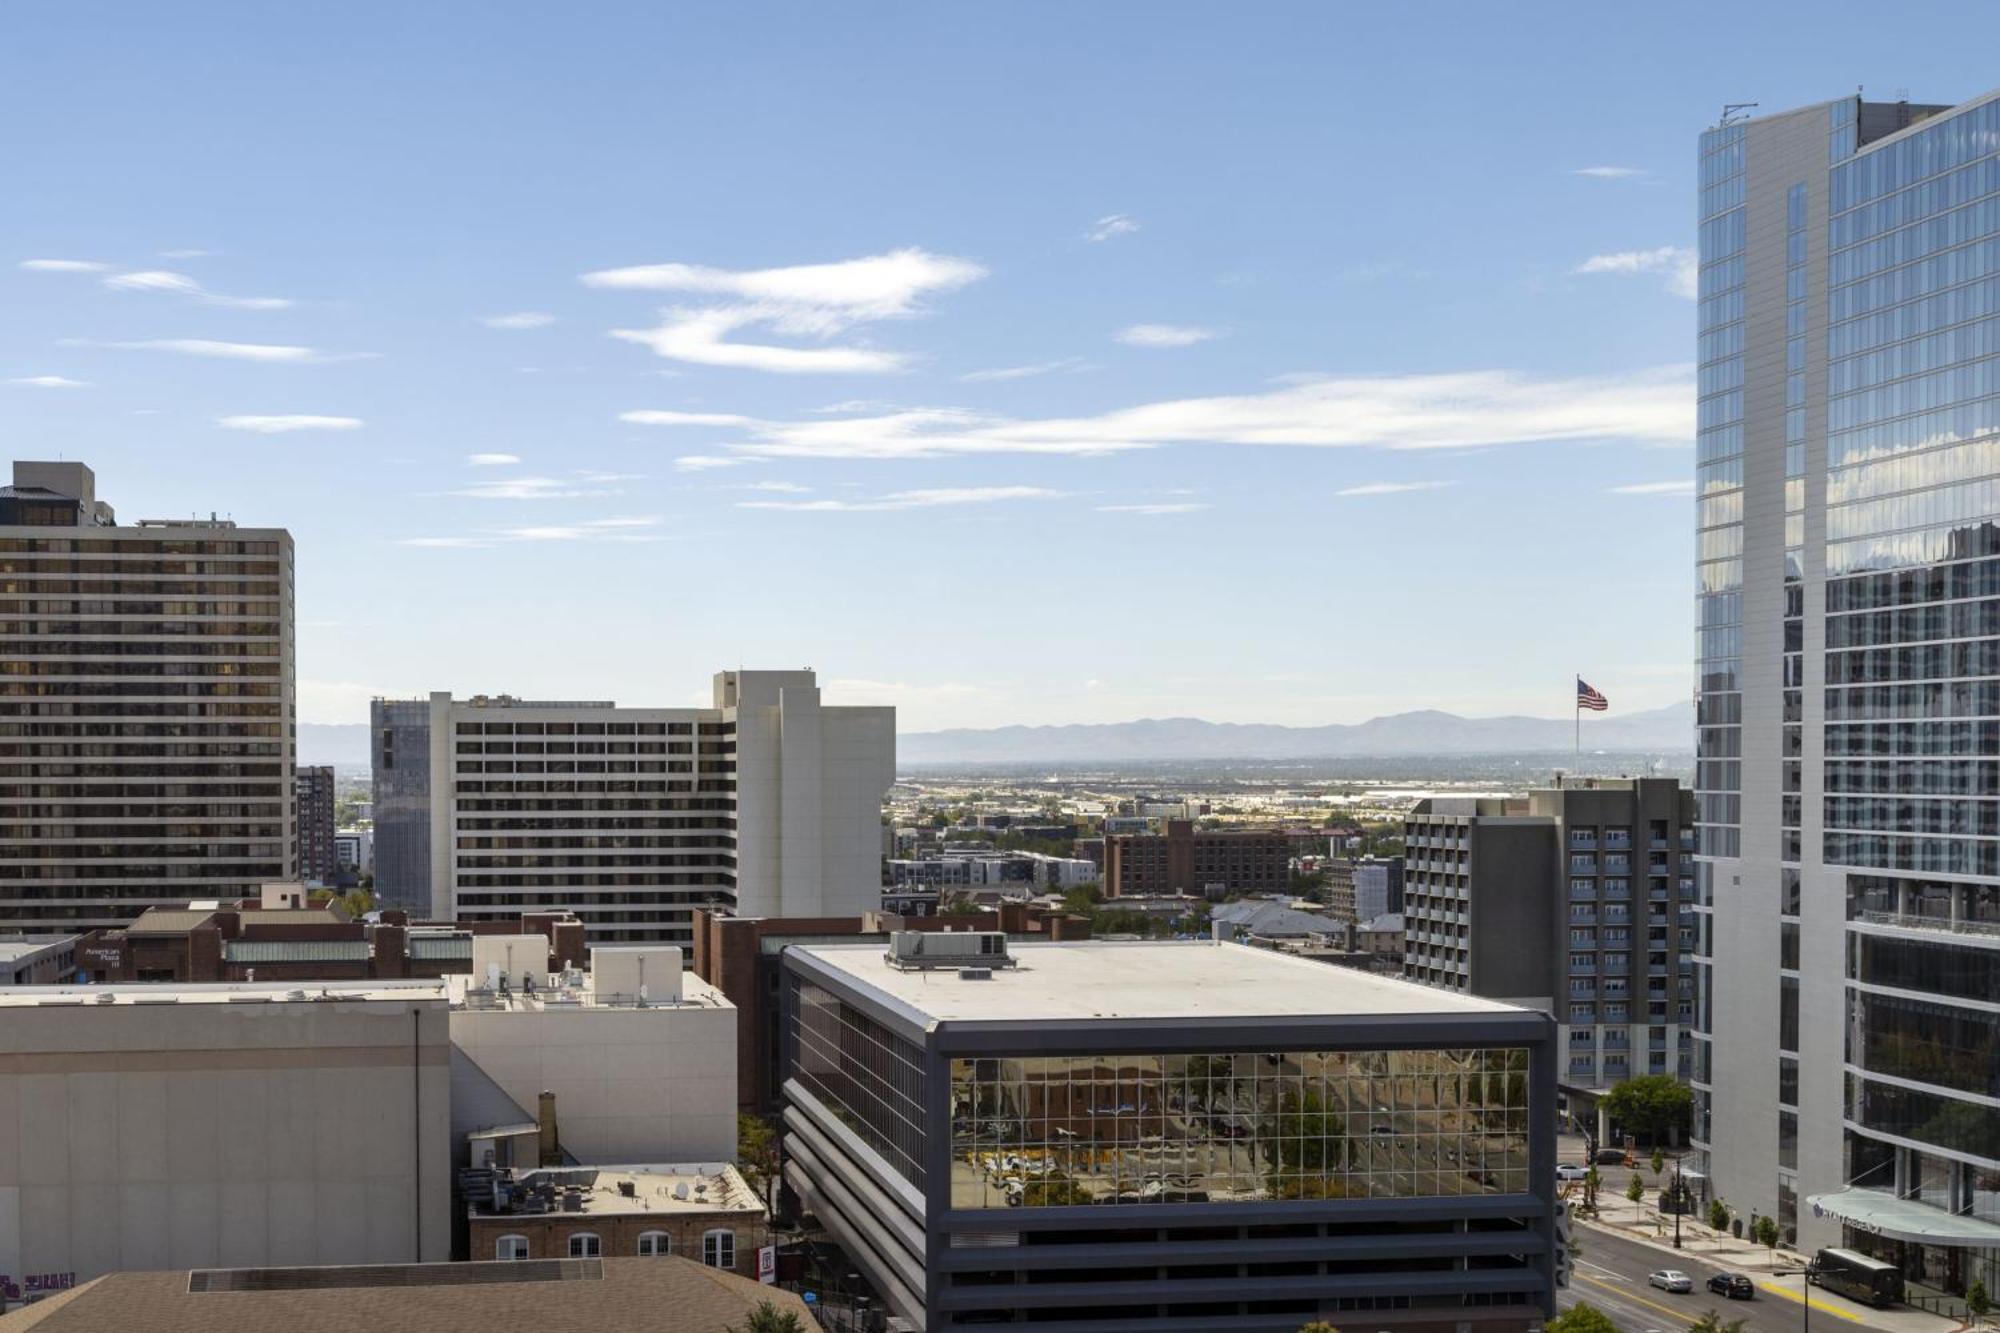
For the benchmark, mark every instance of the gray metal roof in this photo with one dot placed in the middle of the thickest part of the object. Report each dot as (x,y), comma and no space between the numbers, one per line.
(167,921)
(440,946)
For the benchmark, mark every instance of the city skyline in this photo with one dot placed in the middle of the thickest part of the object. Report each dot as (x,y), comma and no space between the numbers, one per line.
(1149,313)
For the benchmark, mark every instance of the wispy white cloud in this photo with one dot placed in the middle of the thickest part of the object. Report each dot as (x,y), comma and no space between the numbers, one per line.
(1111,225)
(1399,412)
(775,487)
(180,284)
(1394,487)
(536,488)
(921,499)
(1682,487)
(1164,335)
(1611,173)
(817,301)
(283,424)
(712,462)
(228,351)
(1681,265)
(63,266)
(617,528)
(186,254)
(491,460)
(520,319)
(1068,363)
(1180,507)
(49,382)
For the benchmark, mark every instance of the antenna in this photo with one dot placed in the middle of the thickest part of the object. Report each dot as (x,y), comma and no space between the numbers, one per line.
(1735,111)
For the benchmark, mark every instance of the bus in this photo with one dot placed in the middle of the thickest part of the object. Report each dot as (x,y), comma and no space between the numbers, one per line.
(1858,1277)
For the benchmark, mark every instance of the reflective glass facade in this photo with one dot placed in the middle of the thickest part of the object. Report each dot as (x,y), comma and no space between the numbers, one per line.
(1226,1128)
(870,1078)
(1866,237)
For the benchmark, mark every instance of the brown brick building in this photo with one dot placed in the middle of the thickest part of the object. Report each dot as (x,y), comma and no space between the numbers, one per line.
(1187,860)
(707,1213)
(203,944)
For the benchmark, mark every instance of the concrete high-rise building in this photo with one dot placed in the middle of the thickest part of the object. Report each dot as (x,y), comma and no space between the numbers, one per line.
(1848,575)
(146,713)
(317,864)
(767,802)
(1577,900)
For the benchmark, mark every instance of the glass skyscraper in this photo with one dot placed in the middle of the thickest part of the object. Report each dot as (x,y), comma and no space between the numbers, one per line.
(1847,1051)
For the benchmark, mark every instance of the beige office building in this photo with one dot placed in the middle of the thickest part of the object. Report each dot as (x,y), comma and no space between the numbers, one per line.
(146,708)
(767,802)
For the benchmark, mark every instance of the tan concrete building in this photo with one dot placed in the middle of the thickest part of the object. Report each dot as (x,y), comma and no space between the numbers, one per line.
(148,753)
(229,1126)
(705,1212)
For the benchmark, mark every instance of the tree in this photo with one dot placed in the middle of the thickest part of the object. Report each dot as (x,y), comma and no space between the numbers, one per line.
(1581,1318)
(1718,1214)
(1765,1232)
(1591,1180)
(1659,1164)
(1635,1188)
(1651,1105)
(768,1318)
(1976,1299)
(1054,1191)
(1711,1322)
(1318,1326)
(757,1152)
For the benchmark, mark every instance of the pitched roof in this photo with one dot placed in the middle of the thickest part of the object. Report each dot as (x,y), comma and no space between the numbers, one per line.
(549,1296)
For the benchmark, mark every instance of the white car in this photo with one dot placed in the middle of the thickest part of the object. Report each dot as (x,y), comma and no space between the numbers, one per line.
(1670,1279)
(1571,1171)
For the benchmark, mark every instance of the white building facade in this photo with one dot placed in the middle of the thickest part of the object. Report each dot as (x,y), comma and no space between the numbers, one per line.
(768,802)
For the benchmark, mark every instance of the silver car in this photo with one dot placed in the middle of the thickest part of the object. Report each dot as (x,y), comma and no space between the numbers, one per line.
(1670,1279)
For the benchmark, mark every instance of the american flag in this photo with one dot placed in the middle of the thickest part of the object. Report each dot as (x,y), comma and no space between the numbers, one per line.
(1586,697)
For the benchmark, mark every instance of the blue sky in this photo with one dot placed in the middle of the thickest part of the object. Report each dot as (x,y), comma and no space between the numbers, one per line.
(1010,363)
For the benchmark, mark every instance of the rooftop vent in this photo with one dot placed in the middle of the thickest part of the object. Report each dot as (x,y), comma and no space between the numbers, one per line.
(975,974)
(915,951)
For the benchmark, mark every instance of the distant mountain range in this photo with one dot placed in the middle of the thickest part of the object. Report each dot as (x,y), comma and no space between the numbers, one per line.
(1425,732)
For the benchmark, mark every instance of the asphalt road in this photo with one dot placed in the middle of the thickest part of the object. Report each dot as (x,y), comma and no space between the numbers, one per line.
(1611,1273)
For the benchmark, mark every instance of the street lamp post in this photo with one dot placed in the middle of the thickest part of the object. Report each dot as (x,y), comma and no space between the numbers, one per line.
(1680,1202)
(1805,1292)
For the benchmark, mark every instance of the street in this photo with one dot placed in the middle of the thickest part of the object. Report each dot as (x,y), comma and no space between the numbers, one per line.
(1611,1276)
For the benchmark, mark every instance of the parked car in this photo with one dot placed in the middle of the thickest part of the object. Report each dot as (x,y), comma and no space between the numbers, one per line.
(1670,1279)
(1611,1157)
(1735,1286)
(1571,1171)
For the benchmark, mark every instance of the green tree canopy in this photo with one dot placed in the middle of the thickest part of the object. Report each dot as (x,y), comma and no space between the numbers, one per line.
(1711,1322)
(1581,1318)
(1651,1105)
(768,1318)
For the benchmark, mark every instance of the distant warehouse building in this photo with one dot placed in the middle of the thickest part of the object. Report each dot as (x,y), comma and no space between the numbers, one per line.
(1187,860)
(1175,1136)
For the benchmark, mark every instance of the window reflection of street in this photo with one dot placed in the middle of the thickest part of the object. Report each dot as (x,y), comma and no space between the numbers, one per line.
(1046,1131)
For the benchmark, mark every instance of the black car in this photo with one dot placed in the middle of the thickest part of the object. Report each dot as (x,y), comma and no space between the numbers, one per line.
(1733,1285)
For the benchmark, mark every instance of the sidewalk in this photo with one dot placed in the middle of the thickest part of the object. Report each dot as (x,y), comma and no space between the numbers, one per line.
(1644,1224)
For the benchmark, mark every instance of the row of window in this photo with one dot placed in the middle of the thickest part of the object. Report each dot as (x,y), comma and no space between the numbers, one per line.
(718,1248)
(1948,191)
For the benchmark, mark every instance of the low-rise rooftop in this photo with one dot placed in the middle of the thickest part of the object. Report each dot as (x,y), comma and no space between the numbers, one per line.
(616,1191)
(1107,979)
(247,992)
(578,991)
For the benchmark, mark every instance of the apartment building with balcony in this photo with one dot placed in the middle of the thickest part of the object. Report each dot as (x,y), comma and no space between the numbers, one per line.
(146,713)
(767,802)
(1575,899)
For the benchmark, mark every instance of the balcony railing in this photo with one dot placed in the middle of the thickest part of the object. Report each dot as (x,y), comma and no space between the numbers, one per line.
(1909,921)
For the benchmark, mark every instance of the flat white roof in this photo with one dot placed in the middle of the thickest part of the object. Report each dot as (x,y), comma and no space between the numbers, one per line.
(1144,979)
(695,994)
(170,992)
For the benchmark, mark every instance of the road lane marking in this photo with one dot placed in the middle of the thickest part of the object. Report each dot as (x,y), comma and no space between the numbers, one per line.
(1635,1296)
(1790,1295)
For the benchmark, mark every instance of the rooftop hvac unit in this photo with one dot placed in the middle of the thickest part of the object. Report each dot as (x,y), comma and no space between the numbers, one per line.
(911,950)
